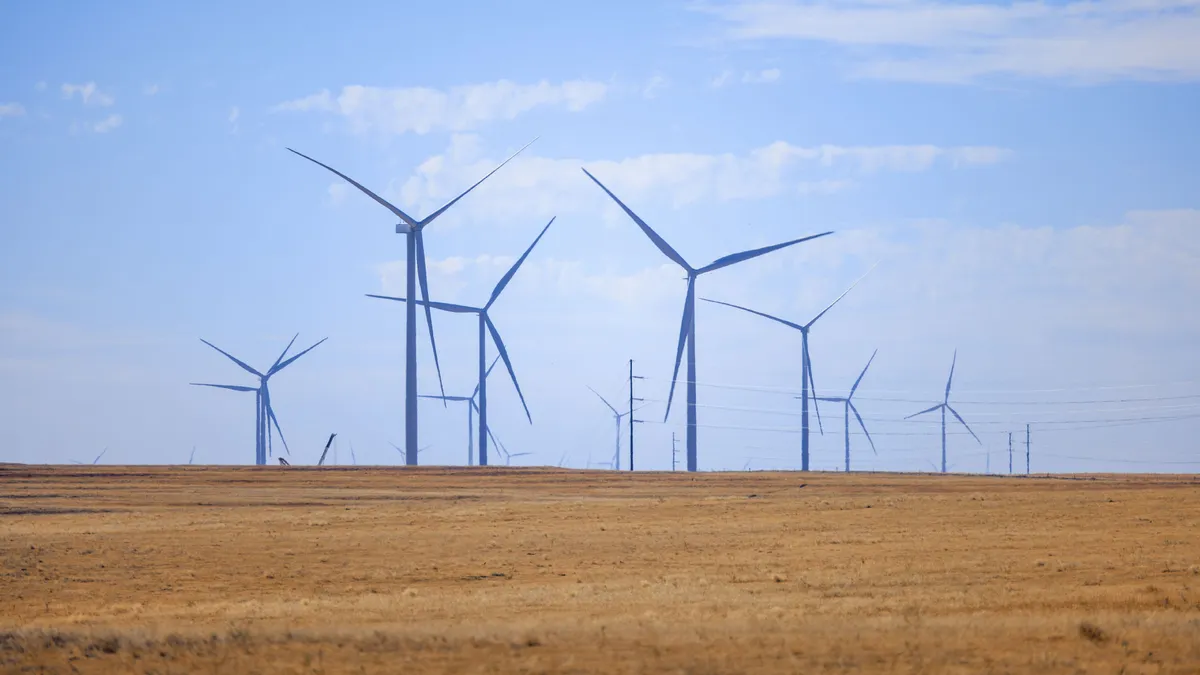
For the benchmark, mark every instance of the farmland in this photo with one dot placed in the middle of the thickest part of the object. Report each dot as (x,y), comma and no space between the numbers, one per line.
(346,570)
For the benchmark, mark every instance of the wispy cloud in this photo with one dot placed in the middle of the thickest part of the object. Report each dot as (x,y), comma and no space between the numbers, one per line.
(151,90)
(728,76)
(955,42)
(653,86)
(542,186)
(107,124)
(420,110)
(234,114)
(88,93)
(11,110)
(762,77)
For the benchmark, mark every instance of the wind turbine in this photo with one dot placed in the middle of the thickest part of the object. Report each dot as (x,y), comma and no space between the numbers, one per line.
(402,452)
(944,406)
(508,457)
(264,413)
(617,420)
(850,408)
(472,408)
(412,229)
(193,455)
(687,329)
(806,376)
(485,324)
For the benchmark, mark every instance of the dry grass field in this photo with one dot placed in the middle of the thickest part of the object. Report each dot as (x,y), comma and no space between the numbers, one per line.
(341,570)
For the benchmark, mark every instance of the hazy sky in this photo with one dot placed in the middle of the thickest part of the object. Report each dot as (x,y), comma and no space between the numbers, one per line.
(1025,173)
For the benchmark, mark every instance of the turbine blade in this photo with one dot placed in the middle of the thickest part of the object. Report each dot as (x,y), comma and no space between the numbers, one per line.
(486,374)
(507,363)
(285,350)
(688,311)
(385,203)
(275,420)
(97,460)
(513,270)
(864,372)
(444,306)
(429,219)
(734,258)
(964,423)
(443,398)
(658,241)
(829,399)
(398,448)
(610,407)
(288,362)
(753,311)
(925,411)
(496,441)
(231,357)
(951,378)
(231,387)
(863,425)
(812,387)
(424,280)
(838,298)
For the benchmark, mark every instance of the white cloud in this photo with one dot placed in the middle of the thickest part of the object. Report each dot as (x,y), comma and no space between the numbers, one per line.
(421,110)
(541,186)
(944,41)
(107,124)
(11,110)
(762,77)
(88,93)
(151,89)
(723,78)
(653,86)
(40,86)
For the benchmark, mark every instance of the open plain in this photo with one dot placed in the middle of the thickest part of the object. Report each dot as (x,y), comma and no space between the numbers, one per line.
(347,570)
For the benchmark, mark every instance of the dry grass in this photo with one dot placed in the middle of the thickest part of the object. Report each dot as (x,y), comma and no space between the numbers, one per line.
(198,569)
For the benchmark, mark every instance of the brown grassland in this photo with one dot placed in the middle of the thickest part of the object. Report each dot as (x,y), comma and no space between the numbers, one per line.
(341,570)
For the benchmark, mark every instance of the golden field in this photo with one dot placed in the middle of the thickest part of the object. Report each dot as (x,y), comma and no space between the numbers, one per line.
(350,570)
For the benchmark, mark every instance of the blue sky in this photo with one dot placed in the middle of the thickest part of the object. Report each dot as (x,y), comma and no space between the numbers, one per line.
(1025,173)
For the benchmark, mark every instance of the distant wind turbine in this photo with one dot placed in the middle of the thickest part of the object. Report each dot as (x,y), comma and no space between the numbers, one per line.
(617,420)
(849,404)
(193,455)
(415,261)
(472,408)
(402,452)
(944,406)
(806,376)
(264,413)
(687,329)
(485,324)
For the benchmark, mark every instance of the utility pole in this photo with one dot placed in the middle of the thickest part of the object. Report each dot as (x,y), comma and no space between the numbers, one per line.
(632,421)
(1010,453)
(674,452)
(1026,449)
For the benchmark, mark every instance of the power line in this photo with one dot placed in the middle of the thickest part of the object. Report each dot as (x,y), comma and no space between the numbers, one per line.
(789,390)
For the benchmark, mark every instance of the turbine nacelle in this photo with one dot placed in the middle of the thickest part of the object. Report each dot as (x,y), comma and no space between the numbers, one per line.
(404,228)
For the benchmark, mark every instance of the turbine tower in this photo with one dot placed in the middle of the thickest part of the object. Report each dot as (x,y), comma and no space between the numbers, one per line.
(472,408)
(849,404)
(264,413)
(617,415)
(415,261)
(485,324)
(944,406)
(687,328)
